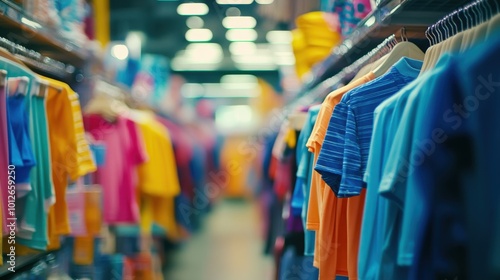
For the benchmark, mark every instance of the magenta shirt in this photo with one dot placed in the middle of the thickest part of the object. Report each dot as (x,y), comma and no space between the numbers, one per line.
(118,176)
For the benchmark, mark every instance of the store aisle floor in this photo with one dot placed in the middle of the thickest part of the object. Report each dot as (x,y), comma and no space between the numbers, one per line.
(229,247)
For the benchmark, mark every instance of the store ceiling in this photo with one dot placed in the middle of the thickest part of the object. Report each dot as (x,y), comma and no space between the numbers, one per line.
(165,30)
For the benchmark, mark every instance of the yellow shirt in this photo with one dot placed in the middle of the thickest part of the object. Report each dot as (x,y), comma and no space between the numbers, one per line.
(158,178)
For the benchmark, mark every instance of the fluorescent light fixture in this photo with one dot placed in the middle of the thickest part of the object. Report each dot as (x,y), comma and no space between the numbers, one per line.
(242,48)
(198,56)
(194,22)
(119,51)
(256,67)
(192,9)
(187,64)
(285,60)
(234,117)
(239,22)
(199,35)
(233,12)
(234,2)
(264,2)
(279,37)
(238,78)
(241,35)
(253,59)
(192,90)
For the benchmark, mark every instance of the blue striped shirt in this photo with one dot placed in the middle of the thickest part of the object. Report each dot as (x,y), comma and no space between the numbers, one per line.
(343,156)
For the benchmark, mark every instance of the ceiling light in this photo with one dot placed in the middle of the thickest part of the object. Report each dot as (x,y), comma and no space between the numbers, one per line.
(204,52)
(238,78)
(264,2)
(285,60)
(279,37)
(242,48)
(233,12)
(241,35)
(256,67)
(253,59)
(192,9)
(234,2)
(119,51)
(239,22)
(192,90)
(187,64)
(194,22)
(199,35)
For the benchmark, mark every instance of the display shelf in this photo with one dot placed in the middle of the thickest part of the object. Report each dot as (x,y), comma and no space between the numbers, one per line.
(387,19)
(19,27)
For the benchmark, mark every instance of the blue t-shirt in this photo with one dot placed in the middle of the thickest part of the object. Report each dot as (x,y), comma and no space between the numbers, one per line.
(402,159)
(374,251)
(342,159)
(459,177)
(300,199)
(20,146)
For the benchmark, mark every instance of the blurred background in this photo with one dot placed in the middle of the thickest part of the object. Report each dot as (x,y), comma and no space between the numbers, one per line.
(161,142)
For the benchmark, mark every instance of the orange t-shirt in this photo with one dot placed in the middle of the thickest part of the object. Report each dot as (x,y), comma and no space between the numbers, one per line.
(70,153)
(327,214)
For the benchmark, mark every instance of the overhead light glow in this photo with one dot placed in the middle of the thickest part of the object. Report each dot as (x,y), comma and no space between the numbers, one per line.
(256,67)
(264,2)
(233,12)
(239,22)
(194,22)
(279,37)
(238,78)
(242,35)
(192,9)
(234,118)
(253,59)
(211,52)
(192,90)
(285,60)
(119,51)
(242,48)
(199,35)
(134,43)
(234,2)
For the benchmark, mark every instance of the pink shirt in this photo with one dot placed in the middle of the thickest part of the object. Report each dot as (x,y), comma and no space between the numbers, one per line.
(118,177)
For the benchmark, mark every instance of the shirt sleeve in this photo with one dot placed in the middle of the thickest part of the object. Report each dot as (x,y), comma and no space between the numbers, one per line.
(352,177)
(331,155)
(84,161)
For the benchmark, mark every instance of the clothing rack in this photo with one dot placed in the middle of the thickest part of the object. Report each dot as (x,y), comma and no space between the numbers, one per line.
(461,20)
(324,88)
(388,18)
(37,61)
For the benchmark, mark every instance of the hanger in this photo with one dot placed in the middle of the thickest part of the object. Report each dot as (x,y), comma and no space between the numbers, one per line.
(17,85)
(402,49)
(8,55)
(41,89)
(107,101)
(463,40)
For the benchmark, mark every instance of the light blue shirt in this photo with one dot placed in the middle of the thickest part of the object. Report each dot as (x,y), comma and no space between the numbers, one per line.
(300,199)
